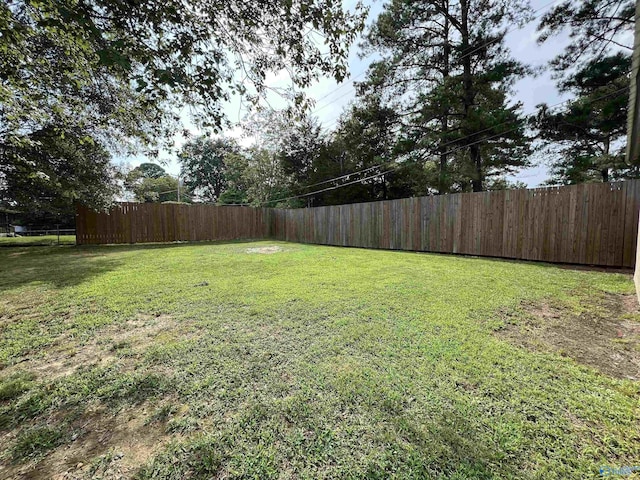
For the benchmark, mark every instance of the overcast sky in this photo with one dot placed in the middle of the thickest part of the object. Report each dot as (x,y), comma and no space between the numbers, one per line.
(332,97)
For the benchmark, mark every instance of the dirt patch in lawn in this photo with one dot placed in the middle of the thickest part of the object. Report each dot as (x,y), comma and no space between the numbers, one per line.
(107,446)
(266,250)
(121,342)
(605,335)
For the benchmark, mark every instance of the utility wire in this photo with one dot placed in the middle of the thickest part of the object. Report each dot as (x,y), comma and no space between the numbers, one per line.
(479,47)
(457,141)
(462,147)
(439,146)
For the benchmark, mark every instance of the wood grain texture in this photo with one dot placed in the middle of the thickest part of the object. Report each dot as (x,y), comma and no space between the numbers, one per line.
(152,222)
(590,224)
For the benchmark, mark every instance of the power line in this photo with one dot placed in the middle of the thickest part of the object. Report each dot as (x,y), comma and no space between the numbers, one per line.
(344,176)
(440,146)
(463,138)
(328,188)
(616,93)
(343,85)
(332,102)
(335,187)
(486,44)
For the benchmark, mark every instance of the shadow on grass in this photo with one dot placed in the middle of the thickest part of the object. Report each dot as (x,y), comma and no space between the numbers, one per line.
(56,266)
(127,247)
(67,266)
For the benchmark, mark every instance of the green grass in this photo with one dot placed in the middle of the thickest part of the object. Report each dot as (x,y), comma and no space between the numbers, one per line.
(314,362)
(41,240)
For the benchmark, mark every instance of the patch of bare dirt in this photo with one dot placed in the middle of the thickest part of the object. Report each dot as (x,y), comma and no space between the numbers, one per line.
(64,358)
(266,250)
(108,446)
(605,335)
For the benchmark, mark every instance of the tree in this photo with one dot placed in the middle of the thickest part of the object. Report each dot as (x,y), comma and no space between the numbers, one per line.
(596,27)
(118,70)
(203,166)
(150,183)
(63,60)
(586,140)
(51,170)
(364,141)
(446,72)
(301,142)
(267,183)
(150,170)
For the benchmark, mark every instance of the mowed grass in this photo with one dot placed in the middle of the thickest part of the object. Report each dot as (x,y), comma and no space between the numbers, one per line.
(40,240)
(206,361)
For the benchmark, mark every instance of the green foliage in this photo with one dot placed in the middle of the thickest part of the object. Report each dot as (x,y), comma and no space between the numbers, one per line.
(116,73)
(232,197)
(586,140)
(150,183)
(364,139)
(596,28)
(149,170)
(117,69)
(52,168)
(446,72)
(265,178)
(203,166)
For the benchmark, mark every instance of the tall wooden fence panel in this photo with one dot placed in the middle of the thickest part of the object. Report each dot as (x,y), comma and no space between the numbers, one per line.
(591,224)
(154,222)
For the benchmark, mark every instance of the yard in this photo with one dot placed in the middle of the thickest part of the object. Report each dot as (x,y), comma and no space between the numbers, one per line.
(280,360)
(38,240)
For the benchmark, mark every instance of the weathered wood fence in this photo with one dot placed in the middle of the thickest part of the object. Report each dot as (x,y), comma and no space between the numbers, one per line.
(155,222)
(591,224)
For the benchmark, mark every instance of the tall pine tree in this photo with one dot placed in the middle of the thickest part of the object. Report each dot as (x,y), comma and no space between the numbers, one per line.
(446,71)
(585,141)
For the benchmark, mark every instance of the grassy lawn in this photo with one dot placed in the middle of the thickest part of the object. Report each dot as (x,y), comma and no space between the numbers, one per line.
(222,361)
(41,240)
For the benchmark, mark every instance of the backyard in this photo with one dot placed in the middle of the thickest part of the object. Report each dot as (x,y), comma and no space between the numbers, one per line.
(281,360)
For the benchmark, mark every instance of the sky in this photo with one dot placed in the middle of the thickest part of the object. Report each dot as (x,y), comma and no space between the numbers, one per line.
(331,98)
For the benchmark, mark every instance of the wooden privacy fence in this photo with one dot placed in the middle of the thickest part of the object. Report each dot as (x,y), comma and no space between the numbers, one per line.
(155,222)
(592,224)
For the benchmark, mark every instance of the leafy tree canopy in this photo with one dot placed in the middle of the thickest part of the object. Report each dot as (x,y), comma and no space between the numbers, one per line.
(203,165)
(116,68)
(149,170)
(595,28)
(52,169)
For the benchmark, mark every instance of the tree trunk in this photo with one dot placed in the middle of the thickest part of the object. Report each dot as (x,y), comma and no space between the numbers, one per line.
(605,170)
(477,181)
(443,186)
(469,98)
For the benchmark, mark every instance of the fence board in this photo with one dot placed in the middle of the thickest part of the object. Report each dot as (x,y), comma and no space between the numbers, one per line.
(148,222)
(593,224)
